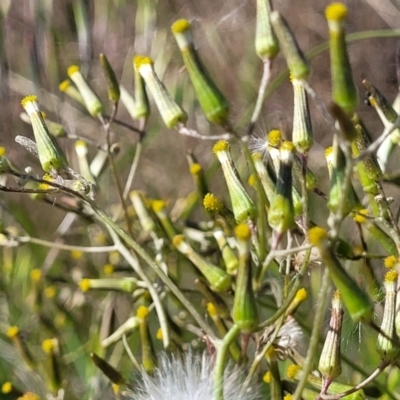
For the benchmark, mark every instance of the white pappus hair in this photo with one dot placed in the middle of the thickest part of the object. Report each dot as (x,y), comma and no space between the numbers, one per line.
(189,377)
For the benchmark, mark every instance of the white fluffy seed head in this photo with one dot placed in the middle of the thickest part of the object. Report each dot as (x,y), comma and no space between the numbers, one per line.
(189,377)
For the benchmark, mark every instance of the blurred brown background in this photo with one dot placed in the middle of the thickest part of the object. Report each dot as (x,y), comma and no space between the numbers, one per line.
(40,39)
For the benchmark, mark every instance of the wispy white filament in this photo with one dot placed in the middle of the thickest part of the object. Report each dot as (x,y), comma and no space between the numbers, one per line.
(188,378)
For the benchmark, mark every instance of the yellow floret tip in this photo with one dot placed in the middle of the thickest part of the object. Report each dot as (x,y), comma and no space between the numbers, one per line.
(252,180)
(29,99)
(211,309)
(360,216)
(222,145)
(159,334)
(72,69)
(301,295)
(48,345)
(76,254)
(157,205)
(142,312)
(289,146)
(108,269)
(35,275)
(267,377)
(317,235)
(29,396)
(390,261)
(139,60)
(391,276)
(2,151)
(212,203)
(85,285)
(195,168)
(336,295)
(180,26)
(12,331)
(243,232)
(336,12)
(257,156)
(293,371)
(274,138)
(177,240)
(328,151)
(6,387)
(64,85)
(288,397)
(50,292)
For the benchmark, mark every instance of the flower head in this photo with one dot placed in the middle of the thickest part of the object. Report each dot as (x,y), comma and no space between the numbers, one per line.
(187,378)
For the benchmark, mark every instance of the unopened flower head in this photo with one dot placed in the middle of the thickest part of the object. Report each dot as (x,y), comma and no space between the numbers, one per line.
(212,101)
(50,156)
(111,80)
(386,347)
(302,135)
(170,111)
(281,212)
(357,302)
(344,91)
(245,311)
(296,61)
(243,206)
(339,201)
(267,45)
(218,279)
(330,361)
(66,87)
(92,101)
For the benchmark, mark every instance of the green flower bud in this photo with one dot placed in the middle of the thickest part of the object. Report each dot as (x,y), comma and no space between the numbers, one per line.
(296,61)
(330,360)
(50,155)
(243,206)
(345,202)
(197,172)
(381,236)
(92,102)
(228,255)
(281,212)
(267,45)
(274,138)
(52,364)
(71,91)
(386,344)
(158,206)
(357,302)
(138,202)
(111,80)
(218,279)
(84,167)
(369,171)
(221,309)
(344,91)
(244,311)
(170,111)
(128,326)
(302,135)
(266,181)
(128,285)
(148,353)
(212,101)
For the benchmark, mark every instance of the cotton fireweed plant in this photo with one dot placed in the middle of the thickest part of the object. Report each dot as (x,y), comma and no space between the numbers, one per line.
(240,332)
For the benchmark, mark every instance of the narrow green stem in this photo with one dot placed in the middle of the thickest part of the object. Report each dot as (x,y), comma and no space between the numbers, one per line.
(314,339)
(220,363)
